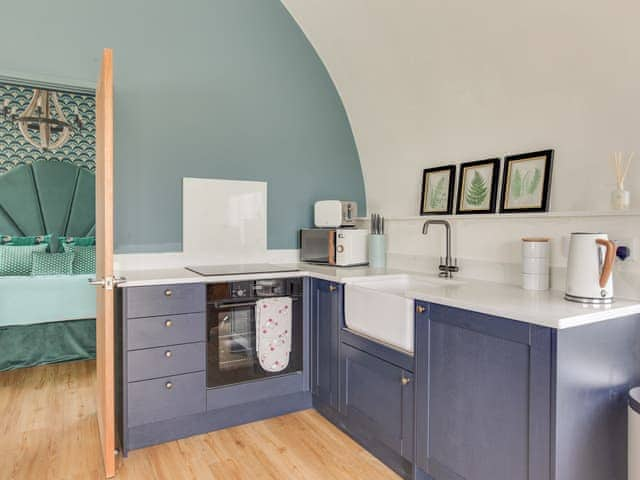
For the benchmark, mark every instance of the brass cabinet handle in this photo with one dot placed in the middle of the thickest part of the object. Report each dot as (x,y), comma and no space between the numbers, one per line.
(420,309)
(168,354)
(168,323)
(332,288)
(168,292)
(405,380)
(168,385)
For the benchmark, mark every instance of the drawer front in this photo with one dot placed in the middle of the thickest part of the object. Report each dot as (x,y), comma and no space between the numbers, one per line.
(167,330)
(165,361)
(165,300)
(165,398)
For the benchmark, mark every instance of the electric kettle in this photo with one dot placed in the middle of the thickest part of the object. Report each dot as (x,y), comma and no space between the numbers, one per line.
(589,269)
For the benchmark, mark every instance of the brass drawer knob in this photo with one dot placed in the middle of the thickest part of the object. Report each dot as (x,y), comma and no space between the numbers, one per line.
(168,323)
(168,385)
(420,309)
(332,288)
(168,354)
(405,381)
(168,292)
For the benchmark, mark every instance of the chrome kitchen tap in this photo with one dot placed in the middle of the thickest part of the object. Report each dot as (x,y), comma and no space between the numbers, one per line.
(449,264)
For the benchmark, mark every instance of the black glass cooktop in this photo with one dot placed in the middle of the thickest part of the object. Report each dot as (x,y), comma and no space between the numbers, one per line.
(246,269)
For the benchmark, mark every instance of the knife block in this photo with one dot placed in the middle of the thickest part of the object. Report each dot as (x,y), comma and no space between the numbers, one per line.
(377,251)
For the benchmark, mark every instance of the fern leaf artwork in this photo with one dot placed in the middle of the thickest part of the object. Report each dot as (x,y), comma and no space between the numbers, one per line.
(528,179)
(437,195)
(477,190)
(516,185)
(534,182)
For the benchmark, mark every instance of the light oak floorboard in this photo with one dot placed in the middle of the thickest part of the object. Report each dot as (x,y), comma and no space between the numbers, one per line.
(50,432)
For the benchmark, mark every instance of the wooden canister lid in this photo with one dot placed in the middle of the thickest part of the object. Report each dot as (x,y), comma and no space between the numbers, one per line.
(536,239)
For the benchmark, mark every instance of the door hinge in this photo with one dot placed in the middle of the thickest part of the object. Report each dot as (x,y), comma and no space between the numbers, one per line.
(107,283)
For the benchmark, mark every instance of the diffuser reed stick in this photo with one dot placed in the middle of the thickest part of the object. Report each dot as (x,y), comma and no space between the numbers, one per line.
(621,167)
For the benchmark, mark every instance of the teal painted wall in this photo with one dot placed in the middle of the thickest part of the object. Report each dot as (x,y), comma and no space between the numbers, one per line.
(204,88)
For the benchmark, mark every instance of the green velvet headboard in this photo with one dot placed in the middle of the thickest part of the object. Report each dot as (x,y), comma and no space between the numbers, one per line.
(47,197)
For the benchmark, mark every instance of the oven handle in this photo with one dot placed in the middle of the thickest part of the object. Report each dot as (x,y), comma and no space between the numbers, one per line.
(221,305)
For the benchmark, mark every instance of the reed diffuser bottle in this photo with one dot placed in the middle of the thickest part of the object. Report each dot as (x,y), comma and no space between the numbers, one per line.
(621,198)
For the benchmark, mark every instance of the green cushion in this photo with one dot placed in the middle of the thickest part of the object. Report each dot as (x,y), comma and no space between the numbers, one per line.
(21,241)
(84,260)
(81,241)
(17,260)
(52,263)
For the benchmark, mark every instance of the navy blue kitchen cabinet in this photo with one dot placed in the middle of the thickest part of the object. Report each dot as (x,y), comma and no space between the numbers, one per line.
(483,396)
(161,363)
(326,313)
(376,402)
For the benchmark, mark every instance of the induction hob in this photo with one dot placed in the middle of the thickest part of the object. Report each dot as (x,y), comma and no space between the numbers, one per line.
(240,269)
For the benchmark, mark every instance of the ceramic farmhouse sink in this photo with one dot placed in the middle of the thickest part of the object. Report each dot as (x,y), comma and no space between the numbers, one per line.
(381,307)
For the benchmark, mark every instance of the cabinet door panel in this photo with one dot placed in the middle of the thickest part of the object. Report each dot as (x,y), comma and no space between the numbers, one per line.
(164,398)
(478,404)
(153,332)
(372,397)
(165,300)
(483,396)
(326,309)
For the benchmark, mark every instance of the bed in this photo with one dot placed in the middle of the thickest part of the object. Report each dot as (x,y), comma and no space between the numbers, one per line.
(46,319)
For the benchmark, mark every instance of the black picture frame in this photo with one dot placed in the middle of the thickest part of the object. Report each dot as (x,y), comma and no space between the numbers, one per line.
(451,170)
(546,181)
(495,163)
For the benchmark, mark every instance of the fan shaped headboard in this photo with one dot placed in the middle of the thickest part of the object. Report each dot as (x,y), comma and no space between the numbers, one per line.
(47,197)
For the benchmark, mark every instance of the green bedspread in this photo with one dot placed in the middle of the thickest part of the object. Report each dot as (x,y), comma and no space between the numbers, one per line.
(30,345)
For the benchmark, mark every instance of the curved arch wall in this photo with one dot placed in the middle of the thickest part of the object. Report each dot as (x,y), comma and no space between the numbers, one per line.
(428,82)
(206,88)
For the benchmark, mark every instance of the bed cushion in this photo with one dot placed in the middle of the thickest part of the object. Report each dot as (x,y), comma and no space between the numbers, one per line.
(52,263)
(15,240)
(84,260)
(17,260)
(80,241)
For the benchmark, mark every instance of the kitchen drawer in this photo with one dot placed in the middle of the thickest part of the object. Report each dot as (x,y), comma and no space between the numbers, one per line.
(166,330)
(165,300)
(164,361)
(164,398)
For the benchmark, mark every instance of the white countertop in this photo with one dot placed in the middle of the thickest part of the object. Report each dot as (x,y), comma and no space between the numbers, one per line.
(548,308)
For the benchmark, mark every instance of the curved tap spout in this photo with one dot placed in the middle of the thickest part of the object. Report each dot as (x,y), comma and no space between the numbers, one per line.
(448,267)
(425,227)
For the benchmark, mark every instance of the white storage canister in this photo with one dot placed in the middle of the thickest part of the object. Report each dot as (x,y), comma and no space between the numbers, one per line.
(535,263)
(634,434)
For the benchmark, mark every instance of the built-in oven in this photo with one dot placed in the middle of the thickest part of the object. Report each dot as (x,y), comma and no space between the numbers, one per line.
(231,329)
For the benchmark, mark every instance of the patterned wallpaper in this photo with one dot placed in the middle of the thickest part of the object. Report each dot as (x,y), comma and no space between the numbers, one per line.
(79,150)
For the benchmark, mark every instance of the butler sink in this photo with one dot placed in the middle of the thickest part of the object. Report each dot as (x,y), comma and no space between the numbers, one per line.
(381,307)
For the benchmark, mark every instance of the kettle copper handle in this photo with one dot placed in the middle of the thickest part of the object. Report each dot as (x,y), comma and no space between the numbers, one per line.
(609,257)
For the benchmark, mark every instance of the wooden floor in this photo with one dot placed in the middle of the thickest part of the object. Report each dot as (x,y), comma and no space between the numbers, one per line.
(49,430)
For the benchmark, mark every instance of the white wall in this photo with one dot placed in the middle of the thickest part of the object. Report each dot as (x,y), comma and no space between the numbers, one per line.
(431,82)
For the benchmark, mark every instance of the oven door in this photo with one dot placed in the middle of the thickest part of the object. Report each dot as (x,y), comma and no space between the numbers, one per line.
(231,348)
(231,343)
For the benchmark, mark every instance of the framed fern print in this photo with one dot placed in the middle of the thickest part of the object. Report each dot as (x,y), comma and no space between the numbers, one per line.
(437,190)
(478,186)
(526,182)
